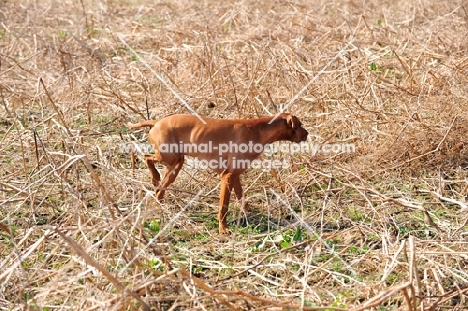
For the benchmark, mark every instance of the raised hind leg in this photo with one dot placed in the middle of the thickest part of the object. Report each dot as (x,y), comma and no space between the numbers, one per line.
(155,177)
(170,173)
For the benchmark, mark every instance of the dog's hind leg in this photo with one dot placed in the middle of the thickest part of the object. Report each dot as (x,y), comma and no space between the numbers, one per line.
(170,173)
(155,177)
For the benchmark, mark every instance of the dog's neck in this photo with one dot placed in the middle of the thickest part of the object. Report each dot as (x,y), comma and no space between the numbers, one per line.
(270,133)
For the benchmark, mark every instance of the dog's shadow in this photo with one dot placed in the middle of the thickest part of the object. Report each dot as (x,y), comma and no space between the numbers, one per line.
(258,220)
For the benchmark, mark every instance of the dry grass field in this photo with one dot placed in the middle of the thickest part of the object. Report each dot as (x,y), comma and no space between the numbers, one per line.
(380,228)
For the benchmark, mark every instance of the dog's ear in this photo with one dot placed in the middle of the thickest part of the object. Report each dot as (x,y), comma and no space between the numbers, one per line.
(293,122)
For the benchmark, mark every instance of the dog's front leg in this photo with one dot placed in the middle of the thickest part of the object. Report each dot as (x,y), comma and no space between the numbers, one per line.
(240,194)
(227,182)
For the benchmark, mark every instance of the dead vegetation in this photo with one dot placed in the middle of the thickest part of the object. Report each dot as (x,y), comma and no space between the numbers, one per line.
(382,228)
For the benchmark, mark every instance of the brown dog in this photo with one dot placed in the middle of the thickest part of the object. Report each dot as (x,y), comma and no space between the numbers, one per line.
(226,146)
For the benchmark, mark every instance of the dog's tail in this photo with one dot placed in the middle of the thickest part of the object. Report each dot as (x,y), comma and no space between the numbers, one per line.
(147,123)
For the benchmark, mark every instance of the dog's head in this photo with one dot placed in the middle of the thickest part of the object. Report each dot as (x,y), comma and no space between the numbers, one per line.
(293,128)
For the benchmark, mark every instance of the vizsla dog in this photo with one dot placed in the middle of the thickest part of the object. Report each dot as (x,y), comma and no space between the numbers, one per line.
(229,146)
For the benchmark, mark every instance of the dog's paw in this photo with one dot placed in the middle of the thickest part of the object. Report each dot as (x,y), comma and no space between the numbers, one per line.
(224,230)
